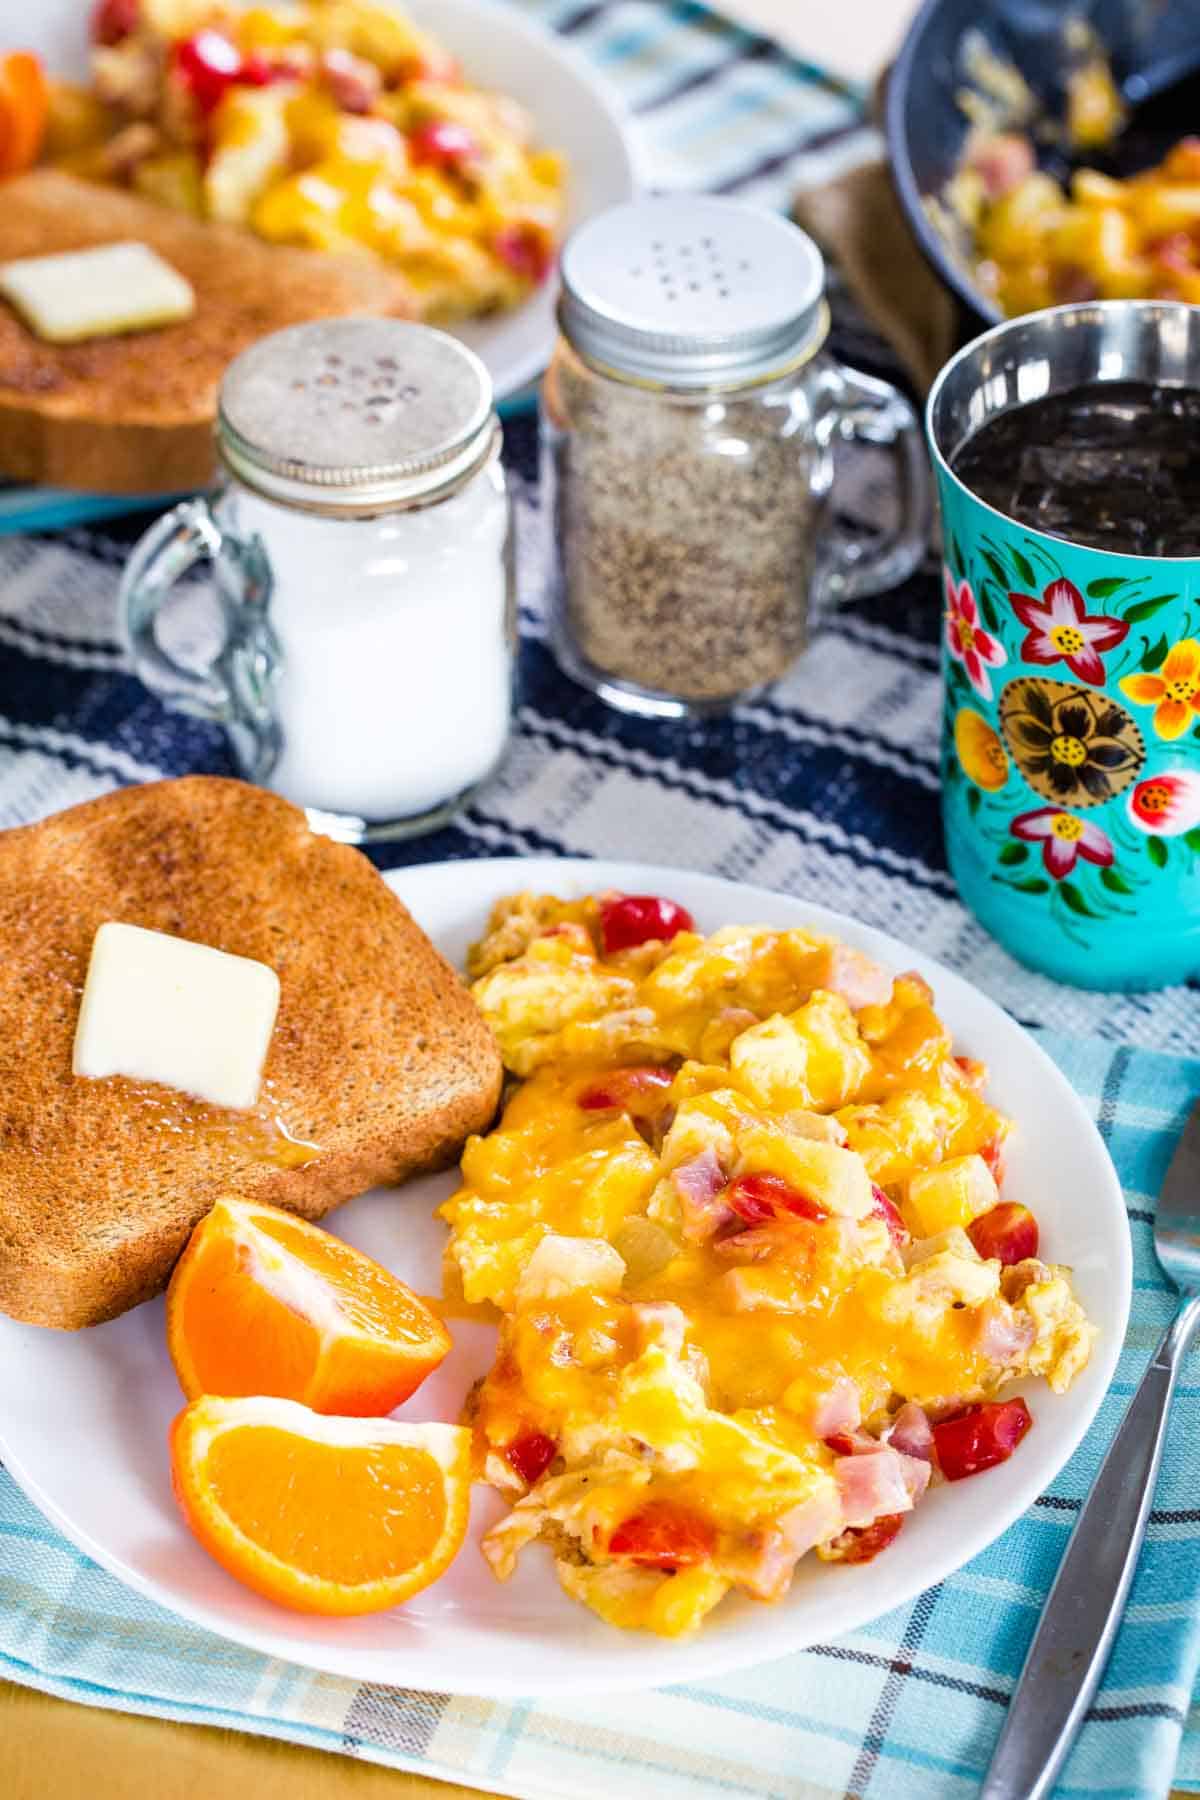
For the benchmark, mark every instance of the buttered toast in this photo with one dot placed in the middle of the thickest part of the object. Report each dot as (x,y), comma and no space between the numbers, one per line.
(379,1064)
(134,414)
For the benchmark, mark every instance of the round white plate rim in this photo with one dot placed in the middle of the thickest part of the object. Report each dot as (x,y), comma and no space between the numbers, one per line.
(57,32)
(638,1662)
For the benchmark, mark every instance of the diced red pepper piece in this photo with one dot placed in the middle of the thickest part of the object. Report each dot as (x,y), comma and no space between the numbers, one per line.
(528,250)
(444,145)
(258,71)
(980,1437)
(114,20)
(862,1543)
(530,1455)
(627,1090)
(757,1198)
(1007,1231)
(884,1209)
(664,1536)
(840,1442)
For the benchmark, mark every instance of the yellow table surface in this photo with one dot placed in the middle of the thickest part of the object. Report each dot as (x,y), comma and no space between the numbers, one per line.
(55,1750)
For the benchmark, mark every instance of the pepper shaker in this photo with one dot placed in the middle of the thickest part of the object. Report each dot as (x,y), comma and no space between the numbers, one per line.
(690,416)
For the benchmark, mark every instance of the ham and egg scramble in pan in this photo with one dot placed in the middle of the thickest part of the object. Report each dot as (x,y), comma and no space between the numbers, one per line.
(741,1217)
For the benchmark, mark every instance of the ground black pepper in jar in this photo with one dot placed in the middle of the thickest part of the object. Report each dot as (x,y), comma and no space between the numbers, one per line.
(689,418)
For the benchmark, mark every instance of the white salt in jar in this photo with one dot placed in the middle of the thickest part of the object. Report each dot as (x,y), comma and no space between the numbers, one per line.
(361,547)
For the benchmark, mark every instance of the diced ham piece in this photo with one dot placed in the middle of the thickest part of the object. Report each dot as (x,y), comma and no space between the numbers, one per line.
(911,1433)
(838,1409)
(1002,160)
(876,1482)
(748,1246)
(884,1209)
(700,1184)
(1002,1335)
(765,1563)
(857,977)
(353,83)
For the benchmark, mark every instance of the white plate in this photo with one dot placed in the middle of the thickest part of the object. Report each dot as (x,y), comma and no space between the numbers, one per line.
(83,1417)
(499,49)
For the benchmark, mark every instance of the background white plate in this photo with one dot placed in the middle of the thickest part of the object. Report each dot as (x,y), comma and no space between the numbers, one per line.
(83,1417)
(498,49)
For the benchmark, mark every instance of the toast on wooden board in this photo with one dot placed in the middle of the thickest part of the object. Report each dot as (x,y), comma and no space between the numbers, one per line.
(134,414)
(379,1056)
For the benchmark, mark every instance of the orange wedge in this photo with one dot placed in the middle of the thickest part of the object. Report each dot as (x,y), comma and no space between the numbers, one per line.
(264,1303)
(322,1515)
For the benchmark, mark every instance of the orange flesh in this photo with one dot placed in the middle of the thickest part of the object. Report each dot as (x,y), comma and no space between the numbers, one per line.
(344,1515)
(331,1328)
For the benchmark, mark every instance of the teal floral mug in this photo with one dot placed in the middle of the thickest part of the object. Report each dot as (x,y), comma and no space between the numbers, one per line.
(1071,733)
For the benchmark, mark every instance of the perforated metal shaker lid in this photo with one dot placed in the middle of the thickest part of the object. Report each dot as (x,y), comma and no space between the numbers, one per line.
(691,291)
(355,415)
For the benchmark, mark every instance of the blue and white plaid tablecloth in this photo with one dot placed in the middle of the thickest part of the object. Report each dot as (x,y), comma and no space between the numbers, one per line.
(827,789)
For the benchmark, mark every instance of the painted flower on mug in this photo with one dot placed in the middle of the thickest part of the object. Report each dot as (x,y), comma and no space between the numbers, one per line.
(980,750)
(1166,805)
(1071,744)
(1062,630)
(1173,689)
(1064,839)
(969,644)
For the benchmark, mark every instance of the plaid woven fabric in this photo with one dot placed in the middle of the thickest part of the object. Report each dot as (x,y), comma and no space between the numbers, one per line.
(828,789)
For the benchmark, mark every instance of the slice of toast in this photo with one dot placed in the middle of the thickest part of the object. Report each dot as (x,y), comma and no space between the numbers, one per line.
(134,414)
(379,1056)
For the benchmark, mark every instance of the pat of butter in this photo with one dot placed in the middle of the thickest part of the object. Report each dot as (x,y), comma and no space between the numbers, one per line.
(96,293)
(160,1008)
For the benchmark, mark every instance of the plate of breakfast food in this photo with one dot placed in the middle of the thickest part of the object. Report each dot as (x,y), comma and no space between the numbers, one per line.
(780,1271)
(280,162)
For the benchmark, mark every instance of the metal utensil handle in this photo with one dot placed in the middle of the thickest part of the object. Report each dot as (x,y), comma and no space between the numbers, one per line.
(1071,1645)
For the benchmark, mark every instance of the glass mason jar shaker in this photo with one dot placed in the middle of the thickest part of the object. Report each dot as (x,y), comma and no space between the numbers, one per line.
(361,546)
(689,422)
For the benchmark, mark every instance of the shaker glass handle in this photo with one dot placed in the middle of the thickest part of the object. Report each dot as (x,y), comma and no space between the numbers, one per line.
(171,547)
(237,687)
(863,410)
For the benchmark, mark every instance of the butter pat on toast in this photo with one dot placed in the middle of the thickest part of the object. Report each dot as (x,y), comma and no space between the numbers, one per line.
(134,414)
(379,1064)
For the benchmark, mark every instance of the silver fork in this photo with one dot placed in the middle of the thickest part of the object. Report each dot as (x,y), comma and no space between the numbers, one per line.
(1083,1610)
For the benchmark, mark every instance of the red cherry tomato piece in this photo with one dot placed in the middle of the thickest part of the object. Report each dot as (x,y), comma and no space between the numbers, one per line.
(113,20)
(664,1536)
(624,1089)
(528,250)
(210,64)
(757,1198)
(444,145)
(1008,1231)
(530,1455)
(883,1209)
(861,1543)
(980,1437)
(631,919)
(993,1155)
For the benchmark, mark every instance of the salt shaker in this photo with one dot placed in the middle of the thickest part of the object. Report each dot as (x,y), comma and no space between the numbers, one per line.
(690,418)
(361,546)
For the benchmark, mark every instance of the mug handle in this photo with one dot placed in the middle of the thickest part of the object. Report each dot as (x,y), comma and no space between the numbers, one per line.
(860,409)
(236,689)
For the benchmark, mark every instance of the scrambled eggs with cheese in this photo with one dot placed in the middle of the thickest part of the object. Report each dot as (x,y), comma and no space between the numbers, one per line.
(741,1219)
(330,124)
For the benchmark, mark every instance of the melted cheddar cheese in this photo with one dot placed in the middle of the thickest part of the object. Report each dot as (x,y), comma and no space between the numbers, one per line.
(724,1218)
